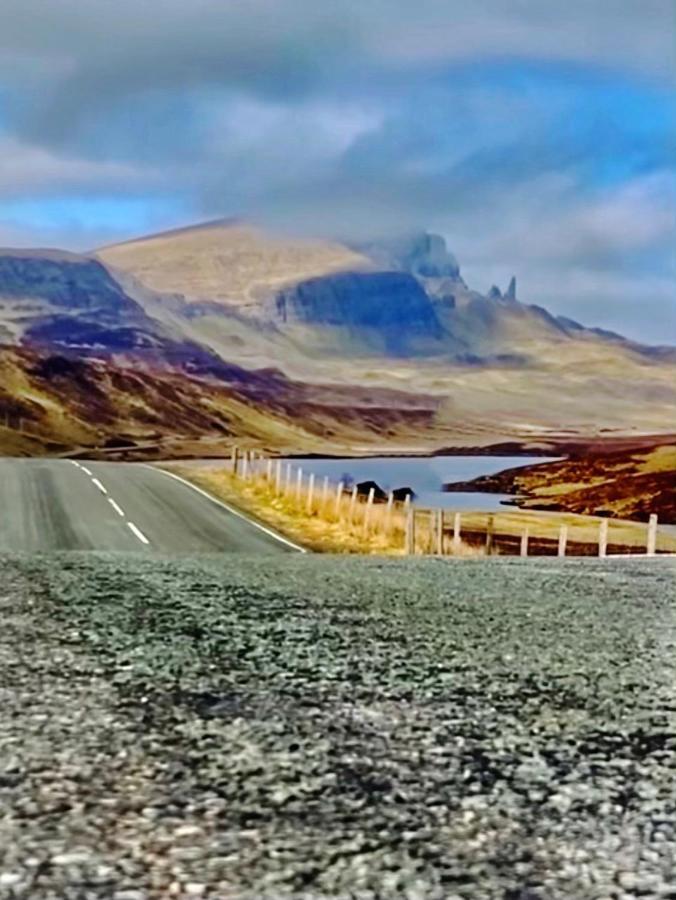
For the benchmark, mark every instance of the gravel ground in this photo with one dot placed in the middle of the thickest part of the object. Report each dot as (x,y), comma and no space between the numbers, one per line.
(298,727)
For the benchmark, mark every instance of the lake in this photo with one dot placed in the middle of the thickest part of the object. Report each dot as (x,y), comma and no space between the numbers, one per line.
(424,475)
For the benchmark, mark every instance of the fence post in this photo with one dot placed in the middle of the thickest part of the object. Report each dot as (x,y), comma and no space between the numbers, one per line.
(245,466)
(489,535)
(388,512)
(353,503)
(289,472)
(457,522)
(603,538)
(523,550)
(299,484)
(278,476)
(563,540)
(339,497)
(325,492)
(410,530)
(440,532)
(651,547)
(234,456)
(268,473)
(310,492)
(367,511)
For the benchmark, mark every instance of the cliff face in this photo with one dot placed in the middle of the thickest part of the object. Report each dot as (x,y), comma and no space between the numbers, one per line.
(393,304)
(51,299)
(30,282)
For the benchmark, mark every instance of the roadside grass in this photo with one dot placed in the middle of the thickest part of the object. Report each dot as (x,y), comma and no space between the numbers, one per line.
(326,520)
(330,523)
(582,530)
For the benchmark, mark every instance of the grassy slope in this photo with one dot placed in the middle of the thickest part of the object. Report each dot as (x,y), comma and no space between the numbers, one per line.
(579,383)
(51,404)
(628,484)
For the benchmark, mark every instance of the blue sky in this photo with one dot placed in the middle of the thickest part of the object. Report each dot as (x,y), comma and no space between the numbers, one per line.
(537,136)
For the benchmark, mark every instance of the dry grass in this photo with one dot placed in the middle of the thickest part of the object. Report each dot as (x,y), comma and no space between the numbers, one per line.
(582,530)
(328,520)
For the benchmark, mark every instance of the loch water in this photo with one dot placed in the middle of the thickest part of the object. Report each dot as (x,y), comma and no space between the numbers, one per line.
(425,475)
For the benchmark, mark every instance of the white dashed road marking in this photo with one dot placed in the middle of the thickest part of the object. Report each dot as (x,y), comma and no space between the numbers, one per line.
(116,506)
(118,509)
(139,534)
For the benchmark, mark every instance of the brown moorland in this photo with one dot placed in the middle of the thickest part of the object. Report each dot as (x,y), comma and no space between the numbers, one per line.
(629,484)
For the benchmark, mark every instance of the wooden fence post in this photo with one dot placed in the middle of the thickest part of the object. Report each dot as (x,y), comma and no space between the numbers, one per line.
(388,512)
(310,492)
(353,503)
(325,492)
(299,484)
(523,550)
(440,532)
(457,525)
(245,466)
(651,547)
(268,473)
(289,472)
(410,530)
(490,524)
(339,498)
(603,538)
(234,456)
(563,540)
(367,511)
(278,476)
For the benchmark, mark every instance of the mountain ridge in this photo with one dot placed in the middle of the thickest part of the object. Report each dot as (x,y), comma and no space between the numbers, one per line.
(387,316)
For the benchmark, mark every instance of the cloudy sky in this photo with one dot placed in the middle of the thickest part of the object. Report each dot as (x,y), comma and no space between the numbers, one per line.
(537,135)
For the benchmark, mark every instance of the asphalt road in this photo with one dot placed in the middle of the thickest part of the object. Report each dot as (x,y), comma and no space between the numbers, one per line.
(48,505)
(332,727)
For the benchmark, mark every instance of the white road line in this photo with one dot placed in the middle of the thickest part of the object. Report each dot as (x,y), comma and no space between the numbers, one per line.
(99,485)
(139,534)
(86,471)
(230,509)
(118,509)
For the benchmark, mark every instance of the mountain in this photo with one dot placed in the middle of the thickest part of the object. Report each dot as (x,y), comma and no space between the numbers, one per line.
(402,297)
(53,403)
(351,344)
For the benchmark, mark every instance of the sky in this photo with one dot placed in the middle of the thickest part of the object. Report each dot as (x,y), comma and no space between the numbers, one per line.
(538,136)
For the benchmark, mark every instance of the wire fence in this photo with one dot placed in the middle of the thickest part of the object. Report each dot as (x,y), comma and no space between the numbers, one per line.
(400,523)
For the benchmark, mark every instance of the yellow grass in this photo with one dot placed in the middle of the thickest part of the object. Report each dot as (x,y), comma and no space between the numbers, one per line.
(581,529)
(331,521)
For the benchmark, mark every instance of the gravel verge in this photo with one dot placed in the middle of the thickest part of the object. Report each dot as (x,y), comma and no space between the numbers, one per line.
(337,728)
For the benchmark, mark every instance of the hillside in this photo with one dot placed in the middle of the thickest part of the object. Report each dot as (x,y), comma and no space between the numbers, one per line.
(54,403)
(630,484)
(390,325)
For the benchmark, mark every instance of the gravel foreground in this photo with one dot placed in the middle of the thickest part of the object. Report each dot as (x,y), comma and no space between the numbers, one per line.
(296,727)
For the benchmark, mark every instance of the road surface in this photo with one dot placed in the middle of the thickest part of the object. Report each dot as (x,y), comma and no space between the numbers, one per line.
(50,505)
(336,727)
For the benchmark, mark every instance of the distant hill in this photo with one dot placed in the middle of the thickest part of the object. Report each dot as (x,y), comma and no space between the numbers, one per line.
(388,325)
(402,297)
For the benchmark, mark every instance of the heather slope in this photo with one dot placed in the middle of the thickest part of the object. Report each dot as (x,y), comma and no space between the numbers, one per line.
(628,484)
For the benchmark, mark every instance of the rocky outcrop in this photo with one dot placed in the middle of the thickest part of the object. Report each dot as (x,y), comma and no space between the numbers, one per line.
(421,254)
(393,305)
(65,282)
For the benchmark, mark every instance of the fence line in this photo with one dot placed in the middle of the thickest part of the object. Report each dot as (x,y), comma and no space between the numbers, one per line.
(427,531)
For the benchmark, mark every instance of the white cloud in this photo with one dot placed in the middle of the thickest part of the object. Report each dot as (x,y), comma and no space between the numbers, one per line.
(27,168)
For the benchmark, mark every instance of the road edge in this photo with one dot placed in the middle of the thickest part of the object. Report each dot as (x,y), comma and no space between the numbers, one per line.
(231,509)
